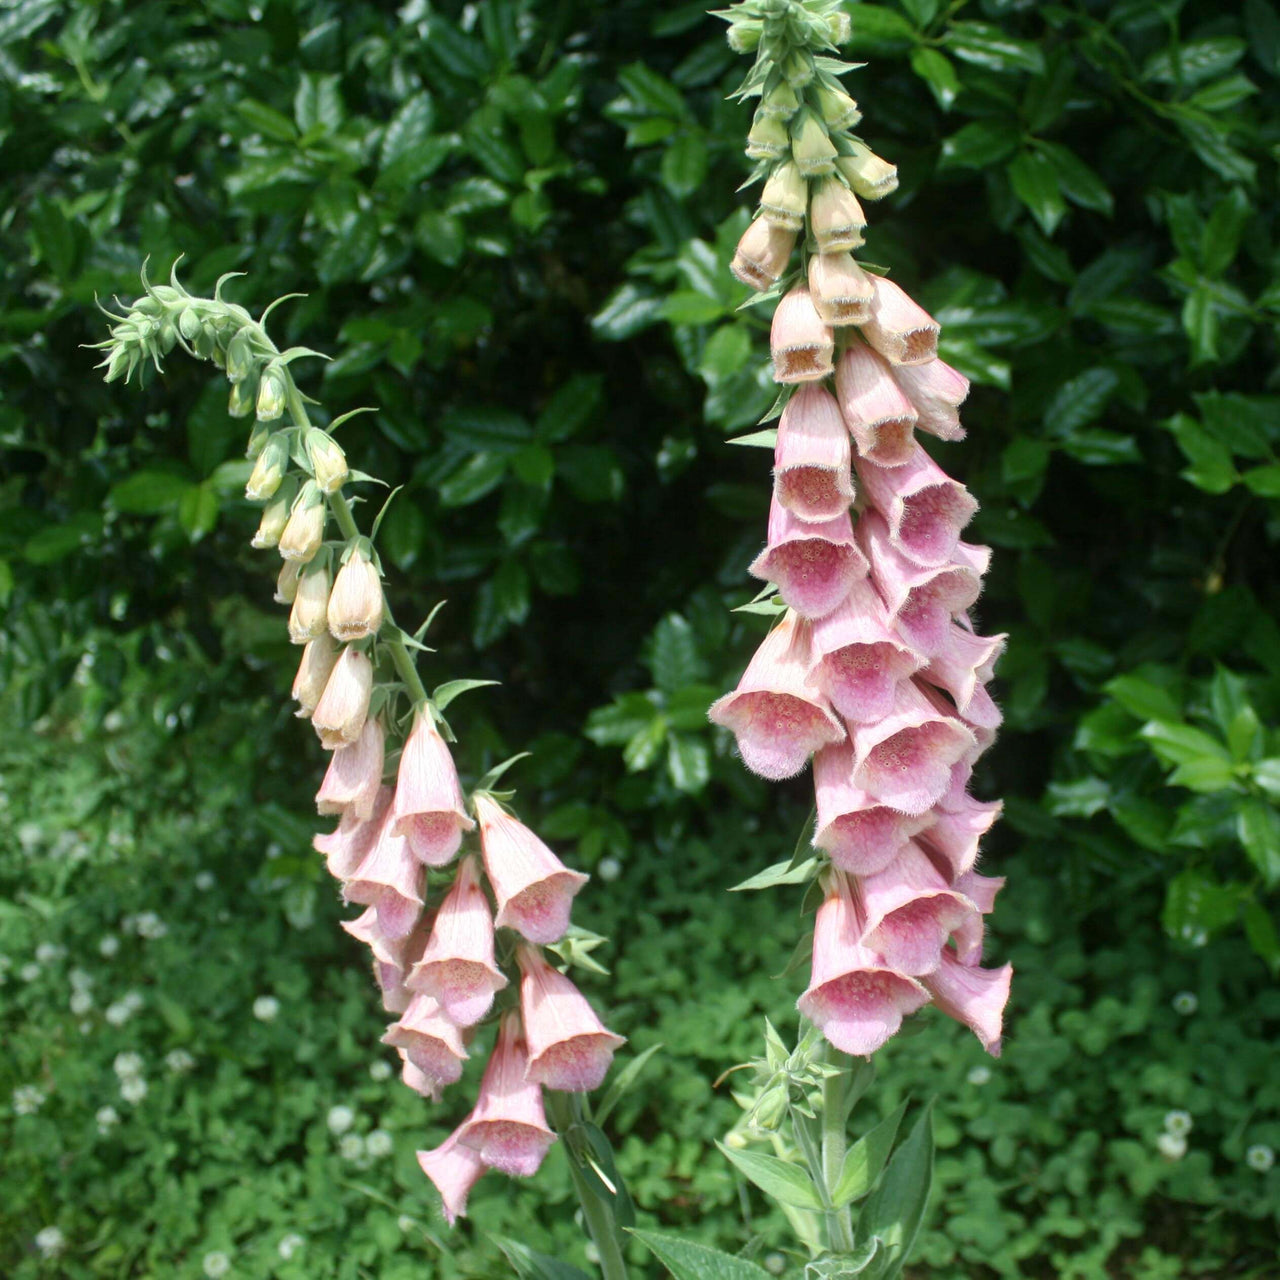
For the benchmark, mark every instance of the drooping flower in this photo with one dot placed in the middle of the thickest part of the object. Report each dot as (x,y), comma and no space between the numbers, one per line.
(954,834)
(430,1040)
(429,808)
(812,565)
(812,469)
(314,670)
(974,996)
(453,1169)
(881,419)
(836,218)
(801,342)
(390,879)
(870,176)
(936,391)
(533,888)
(355,604)
(899,329)
(354,776)
(307,618)
(762,254)
(347,846)
(778,720)
(340,714)
(841,290)
(963,663)
(569,1047)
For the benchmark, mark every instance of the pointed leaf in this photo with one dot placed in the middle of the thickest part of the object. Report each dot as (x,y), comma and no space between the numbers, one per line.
(782,1181)
(622,1081)
(896,1209)
(866,1158)
(689,1261)
(445,693)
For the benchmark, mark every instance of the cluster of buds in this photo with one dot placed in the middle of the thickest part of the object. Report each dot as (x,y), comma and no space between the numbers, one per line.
(451,968)
(874,668)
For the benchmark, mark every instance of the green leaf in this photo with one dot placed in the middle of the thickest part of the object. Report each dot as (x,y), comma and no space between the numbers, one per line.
(629,309)
(786,872)
(1080,400)
(1266,773)
(766,439)
(1143,698)
(652,92)
(896,1208)
(1200,323)
(621,720)
(1221,237)
(621,1082)
(318,104)
(1205,775)
(528,1264)
(443,694)
(148,493)
(979,145)
(570,408)
(687,307)
(1078,181)
(267,120)
(642,750)
(779,1179)
(486,427)
(1260,929)
(673,655)
(1196,907)
(1197,60)
(985,45)
(878,28)
(198,510)
(478,476)
(866,1158)
(1181,744)
(1258,827)
(1264,481)
(688,763)
(934,68)
(407,130)
(1262,24)
(1212,468)
(1035,182)
(684,164)
(687,1260)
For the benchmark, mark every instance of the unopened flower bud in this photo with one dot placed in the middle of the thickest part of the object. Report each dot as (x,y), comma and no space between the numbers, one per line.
(318,660)
(328,462)
(785,197)
(798,69)
(239,357)
(340,714)
(275,515)
(870,176)
(269,469)
(743,37)
(842,291)
(205,344)
(836,218)
(839,111)
(839,27)
(258,438)
(271,394)
(355,605)
(240,403)
(287,582)
(762,254)
(119,364)
(771,1108)
(308,619)
(188,323)
(811,148)
(780,102)
(304,531)
(802,345)
(767,139)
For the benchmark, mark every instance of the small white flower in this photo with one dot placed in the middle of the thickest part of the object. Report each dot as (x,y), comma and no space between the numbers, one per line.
(1173,1146)
(216,1264)
(340,1119)
(1185,1003)
(265,1008)
(179,1061)
(289,1245)
(49,952)
(85,1027)
(50,1242)
(133,1089)
(379,1143)
(81,1002)
(204,881)
(107,1118)
(133,1001)
(406,1223)
(118,1013)
(351,1147)
(127,1065)
(379,1070)
(149,925)
(28,1099)
(1260,1157)
(1178,1123)
(593,1254)
(80,980)
(29,971)
(109,945)
(609,869)
(273,850)
(29,835)
(775,1264)
(979,1074)
(113,721)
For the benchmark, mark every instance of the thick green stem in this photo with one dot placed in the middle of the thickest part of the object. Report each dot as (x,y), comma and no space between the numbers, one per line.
(564,1110)
(834,1144)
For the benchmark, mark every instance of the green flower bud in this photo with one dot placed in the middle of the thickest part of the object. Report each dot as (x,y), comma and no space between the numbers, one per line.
(241,401)
(328,462)
(204,344)
(167,336)
(839,111)
(240,362)
(771,1107)
(118,364)
(780,101)
(785,197)
(798,69)
(743,36)
(767,139)
(271,394)
(839,28)
(269,470)
(304,532)
(258,438)
(811,147)
(276,515)
(188,323)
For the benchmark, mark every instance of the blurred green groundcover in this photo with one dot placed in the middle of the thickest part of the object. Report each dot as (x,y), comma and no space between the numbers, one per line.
(513,221)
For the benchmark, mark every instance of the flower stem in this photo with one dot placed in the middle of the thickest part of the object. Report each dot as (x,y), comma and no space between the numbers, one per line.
(834,1143)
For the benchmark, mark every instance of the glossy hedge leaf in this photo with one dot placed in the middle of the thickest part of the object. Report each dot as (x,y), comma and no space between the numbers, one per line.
(148,493)
(1143,698)
(198,510)
(1194,61)
(317,103)
(1182,744)
(937,72)
(1212,468)
(687,1260)
(979,145)
(1080,400)
(1258,826)
(1260,929)
(570,408)
(1197,906)
(627,715)
(880,28)
(407,130)
(1078,181)
(486,427)
(1262,24)
(688,763)
(477,477)
(684,164)
(988,46)
(779,1179)
(629,309)
(673,655)
(1035,182)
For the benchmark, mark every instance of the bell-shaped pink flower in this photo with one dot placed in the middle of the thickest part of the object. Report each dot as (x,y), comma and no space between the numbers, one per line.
(347,847)
(417,1079)
(430,1041)
(981,891)
(812,476)
(924,508)
(812,565)
(391,880)
(314,670)
(429,809)
(457,967)
(905,759)
(569,1047)
(508,1127)
(862,835)
(840,289)
(974,996)
(954,834)
(858,658)
(533,888)
(964,662)
(354,776)
(453,1169)
(908,911)
(801,343)
(921,602)
(778,720)
(392,956)
(340,714)
(983,717)
(899,329)
(762,254)
(881,419)
(855,1000)
(937,391)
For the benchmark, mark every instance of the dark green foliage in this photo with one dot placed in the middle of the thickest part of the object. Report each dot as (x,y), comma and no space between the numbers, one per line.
(513,223)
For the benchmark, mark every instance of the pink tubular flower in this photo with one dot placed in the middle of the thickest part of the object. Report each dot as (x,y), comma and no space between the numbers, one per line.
(856,1001)
(921,602)
(835,217)
(391,956)
(841,290)
(954,835)
(453,1169)
(778,720)
(457,967)
(862,835)
(340,714)
(801,343)
(429,809)
(313,674)
(390,879)
(905,760)
(429,1040)
(763,254)
(533,888)
(812,565)
(965,662)
(937,391)
(508,1127)
(981,891)
(974,996)
(880,417)
(811,463)
(354,776)
(899,329)
(924,507)
(859,659)
(908,911)
(346,847)
(417,1079)
(569,1047)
